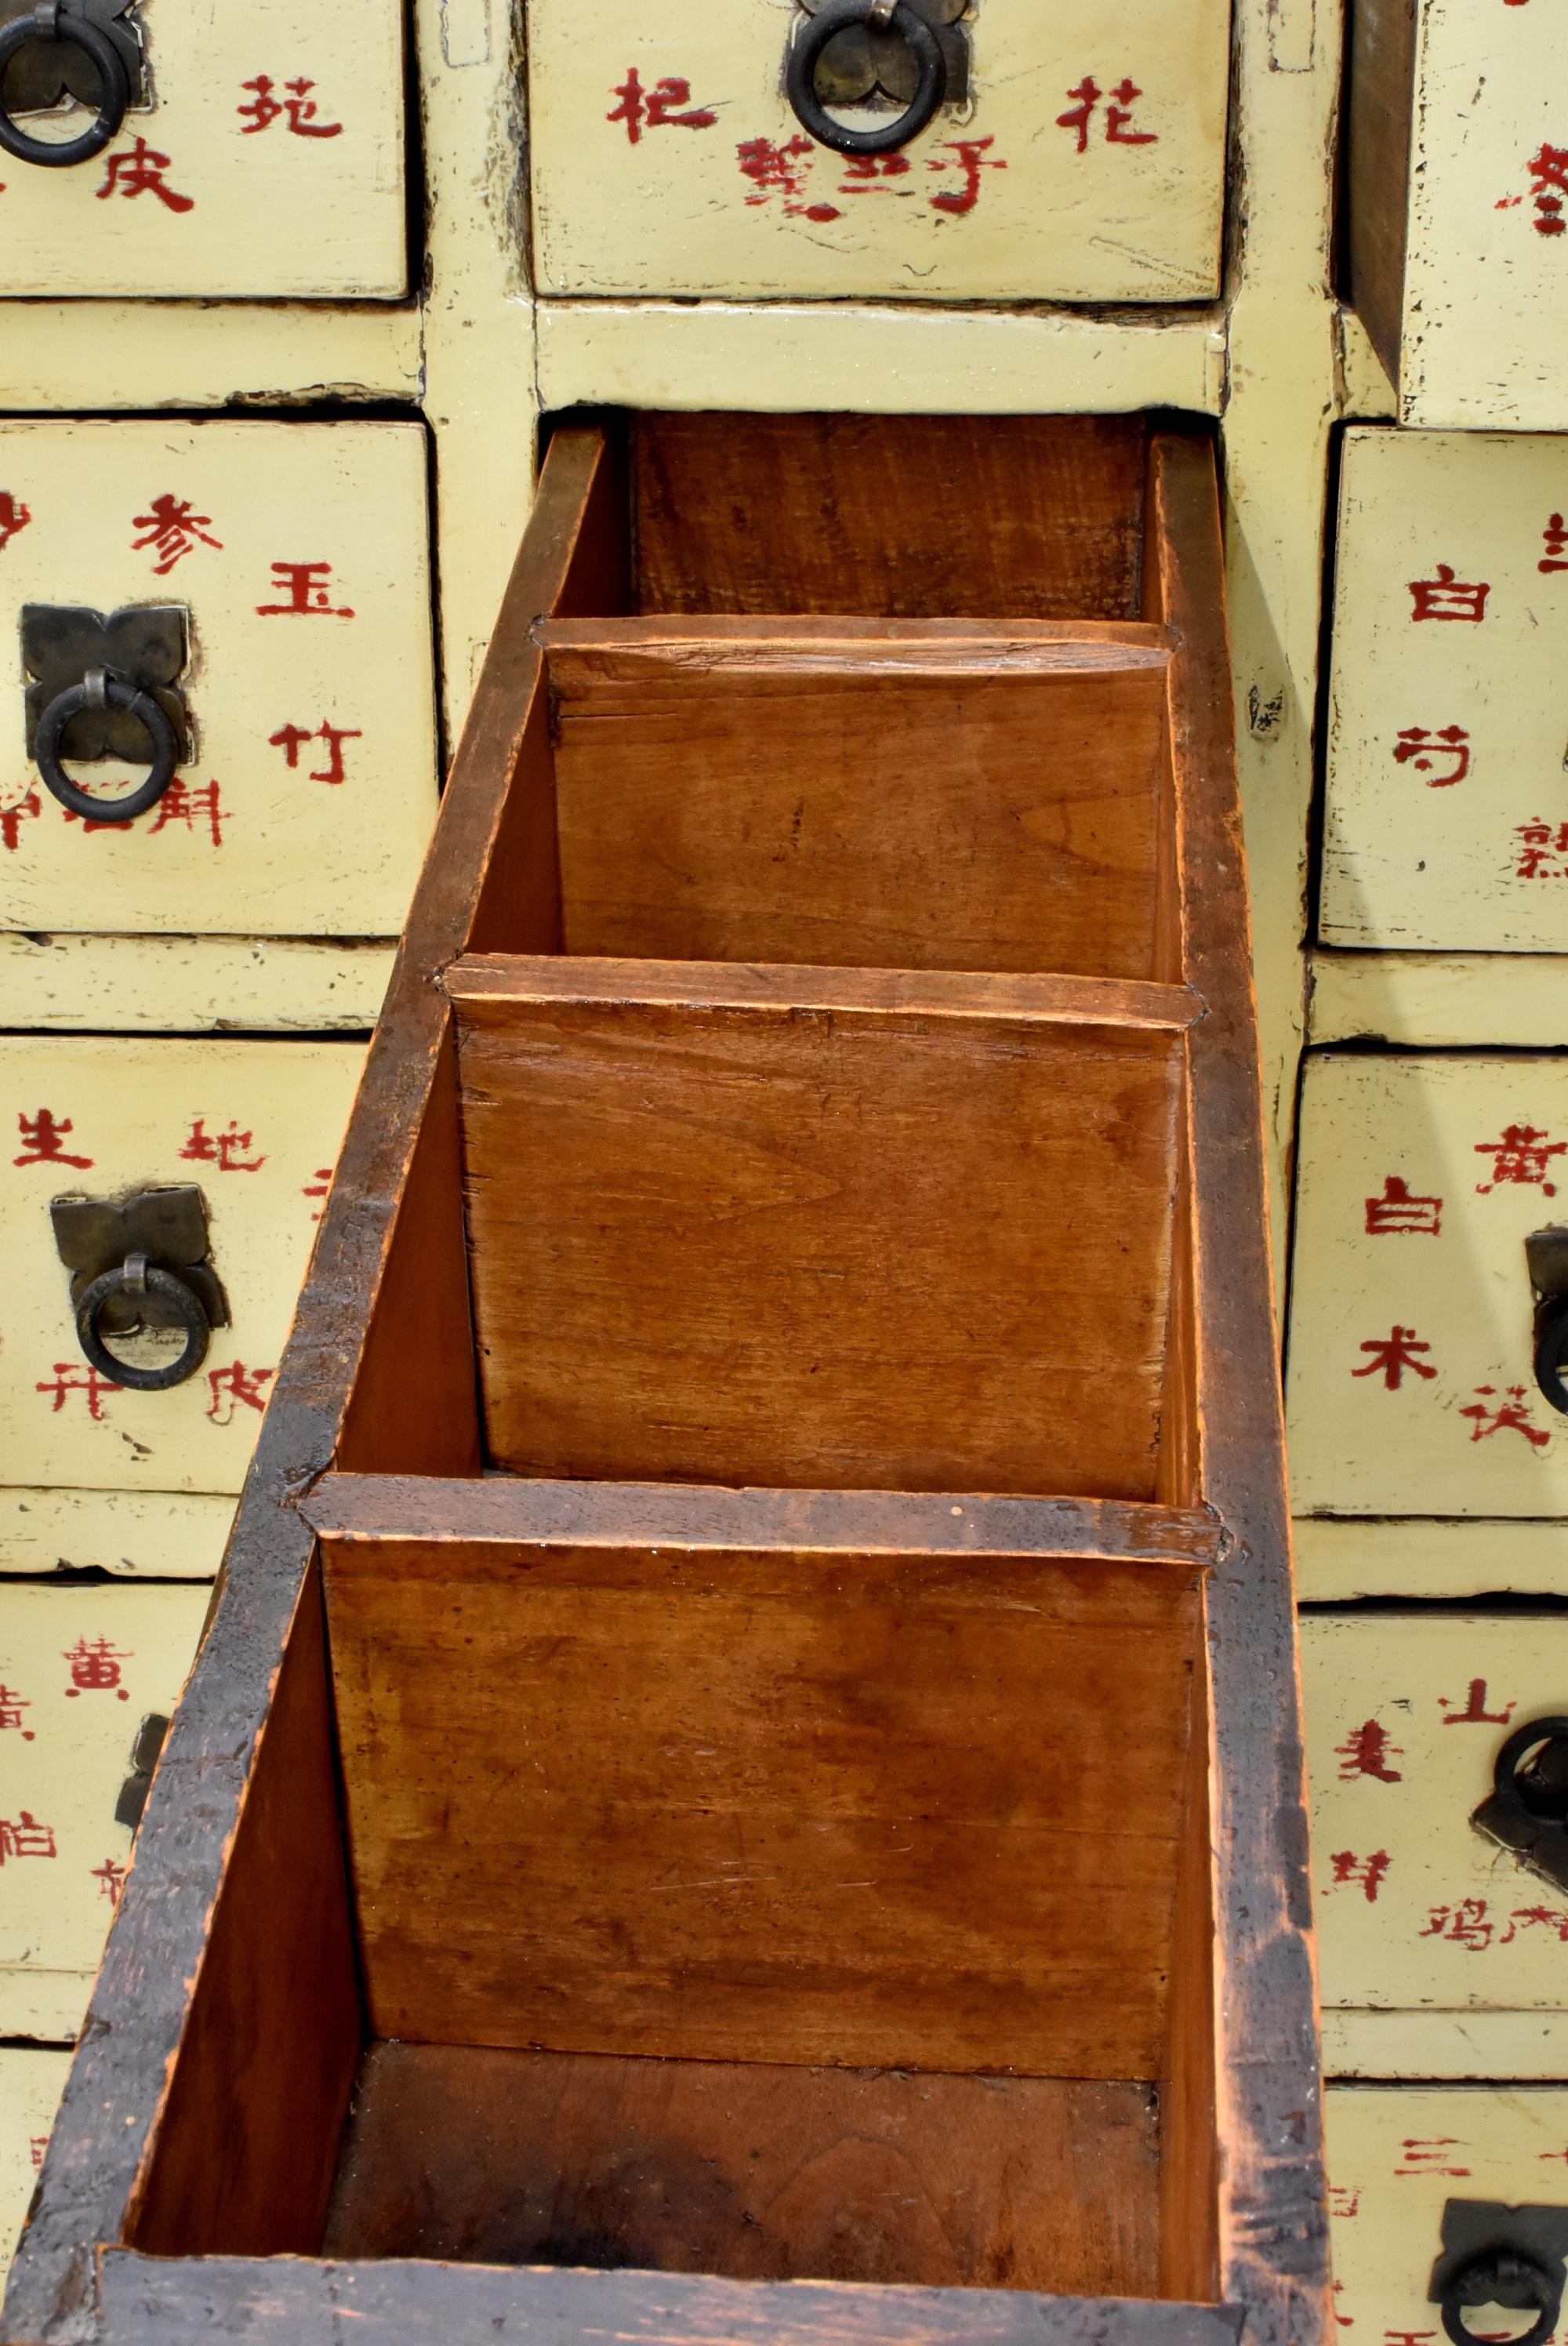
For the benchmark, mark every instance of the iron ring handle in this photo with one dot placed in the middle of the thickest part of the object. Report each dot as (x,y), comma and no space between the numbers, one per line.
(137,1276)
(1476,2281)
(103,689)
(51,22)
(1551,1344)
(837,17)
(1505,1775)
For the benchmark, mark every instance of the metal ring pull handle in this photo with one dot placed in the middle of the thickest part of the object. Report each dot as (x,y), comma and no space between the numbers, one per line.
(1538,1793)
(170,1303)
(1552,1350)
(1502,2277)
(103,689)
(51,21)
(839,16)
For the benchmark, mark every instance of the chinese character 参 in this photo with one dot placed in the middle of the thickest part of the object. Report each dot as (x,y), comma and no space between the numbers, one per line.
(237,1384)
(13,516)
(221,1148)
(292,738)
(173,526)
(112,1877)
(1366,1752)
(1396,1212)
(1367,1872)
(1418,743)
(1475,1712)
(783,170)
(140,172)
(1448,597)
(973,159)
(95,1668)
(1392,1354)
(300,108)
(1117,115)
(26,1838)
(305,584)
(1521,1157)
(656,107)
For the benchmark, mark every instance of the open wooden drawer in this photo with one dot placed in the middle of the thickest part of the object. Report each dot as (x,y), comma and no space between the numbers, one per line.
(750,1736)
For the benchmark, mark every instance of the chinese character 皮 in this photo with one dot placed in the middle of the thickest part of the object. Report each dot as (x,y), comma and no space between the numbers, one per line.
(301,109)
(69,1379)
(234,1385)
(1448,597)
(1475,1712)
(1419,745)
(174,527)
(1398,1214)
(1465,1925)
(1548,185)
(656,107)
(1392,1354)
(305,583)
(1366,1752)
(111,1877)
(139,172)
(1523,1156)
(1366,1872)
(12,1705)
(973,159)
(25,1837)
(95,1668)
(1118,114)
(783,170)
(1545,844)
(292,738)
(43,1141)
(13,516)
(180,805)
(1511,1417)
(1553,537)
(224,1149)
(13,816)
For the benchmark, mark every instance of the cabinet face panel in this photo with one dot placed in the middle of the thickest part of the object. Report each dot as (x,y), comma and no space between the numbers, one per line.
(264,159)
(31,2083)
(80,1668)
(1411,1387)
(1087,163)
(255,1128)
(300,553)
(1405,1718)
(1397,2155)
(1447,803)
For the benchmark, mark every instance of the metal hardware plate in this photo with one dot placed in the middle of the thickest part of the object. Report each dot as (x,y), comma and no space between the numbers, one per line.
(146,643)
(861,66)
(93,1235)
(47,72)
(1473,2228)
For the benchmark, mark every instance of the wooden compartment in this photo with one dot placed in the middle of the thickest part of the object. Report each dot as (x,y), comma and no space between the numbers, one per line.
(745,1781)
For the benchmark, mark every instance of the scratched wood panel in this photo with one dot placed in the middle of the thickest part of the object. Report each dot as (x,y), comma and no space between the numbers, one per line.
(811,1807)
(1411,1382)
(80,1668)
(1087,165)
(733,1240)
(1397,2155)
(1405,1718)
(1445,826)
(256,1127)
(756,2172)
(301,552)
(32,2079)
(216,185)
(889,799)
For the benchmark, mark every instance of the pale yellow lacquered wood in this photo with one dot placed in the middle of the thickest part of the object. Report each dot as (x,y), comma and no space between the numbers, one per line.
(31,2083)
(1438,1000)
(1338,1560)
(1458,2045)
(197,195)
(1028,215)
(135,1534)
(196,355)
(80,1668)
(276,849)
(152,985)
(150,1113)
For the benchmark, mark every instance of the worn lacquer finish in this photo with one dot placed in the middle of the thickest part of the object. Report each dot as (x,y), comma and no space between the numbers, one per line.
(256,1127)
(1412,1390)
(266,157)
(1087,165)
(135,1534)
(1447,822)
(301,552)
(80,1668)
(32,2078)
(1338,1559)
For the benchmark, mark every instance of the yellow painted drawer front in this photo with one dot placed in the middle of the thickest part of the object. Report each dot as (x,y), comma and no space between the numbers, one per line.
(1405,1718)
(255,1128)
(1447,815)
(31,2083)
(300,552)
(1397,2155)
(1087,165)
(80,1668)
(1411,1386)
(266,159)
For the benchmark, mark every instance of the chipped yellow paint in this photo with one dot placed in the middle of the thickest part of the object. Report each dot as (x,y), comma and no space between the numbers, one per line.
(187,984)
(998,199)
(150,1113)
(1338,1561)
(191,355)
(135,1534)
(196,196)
(1460,2044)
(1447,807)
(80,1668)
(246,841)
(31,2083)
(1435,1001)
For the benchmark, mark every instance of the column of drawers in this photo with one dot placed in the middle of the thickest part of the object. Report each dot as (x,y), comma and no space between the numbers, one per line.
(266,579)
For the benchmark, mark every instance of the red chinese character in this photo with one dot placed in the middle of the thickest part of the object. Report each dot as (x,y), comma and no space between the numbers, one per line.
(1448,597)
(1343,2202)
(867,175)
(1530,1918)
(306,584)
(1396,1213)
(12,817)
(973,159)
(112,1879)
(1118,116)
(1521,1157)
(657,107)
(237,1384)
(13,516)
(68,1379)
(783,170)
(1418,743)
(1078,117)
(11,1705)
(1512,1417)
(1342,2321)
(140,172)
(1548,185)
(1475,1712)
(174,527)
(319,1186)
(1368,1871)
(290,739)
(1542,843)
(1465,1925)
(1391,1355)
(301,109)
(37,2144)
(1554,538)
(43,1137)
(1419,2337)
(26,1838)
(1424,2158)
(221,1148)
(95,1668)
(1366,1751)
(180,805)
(264,110)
